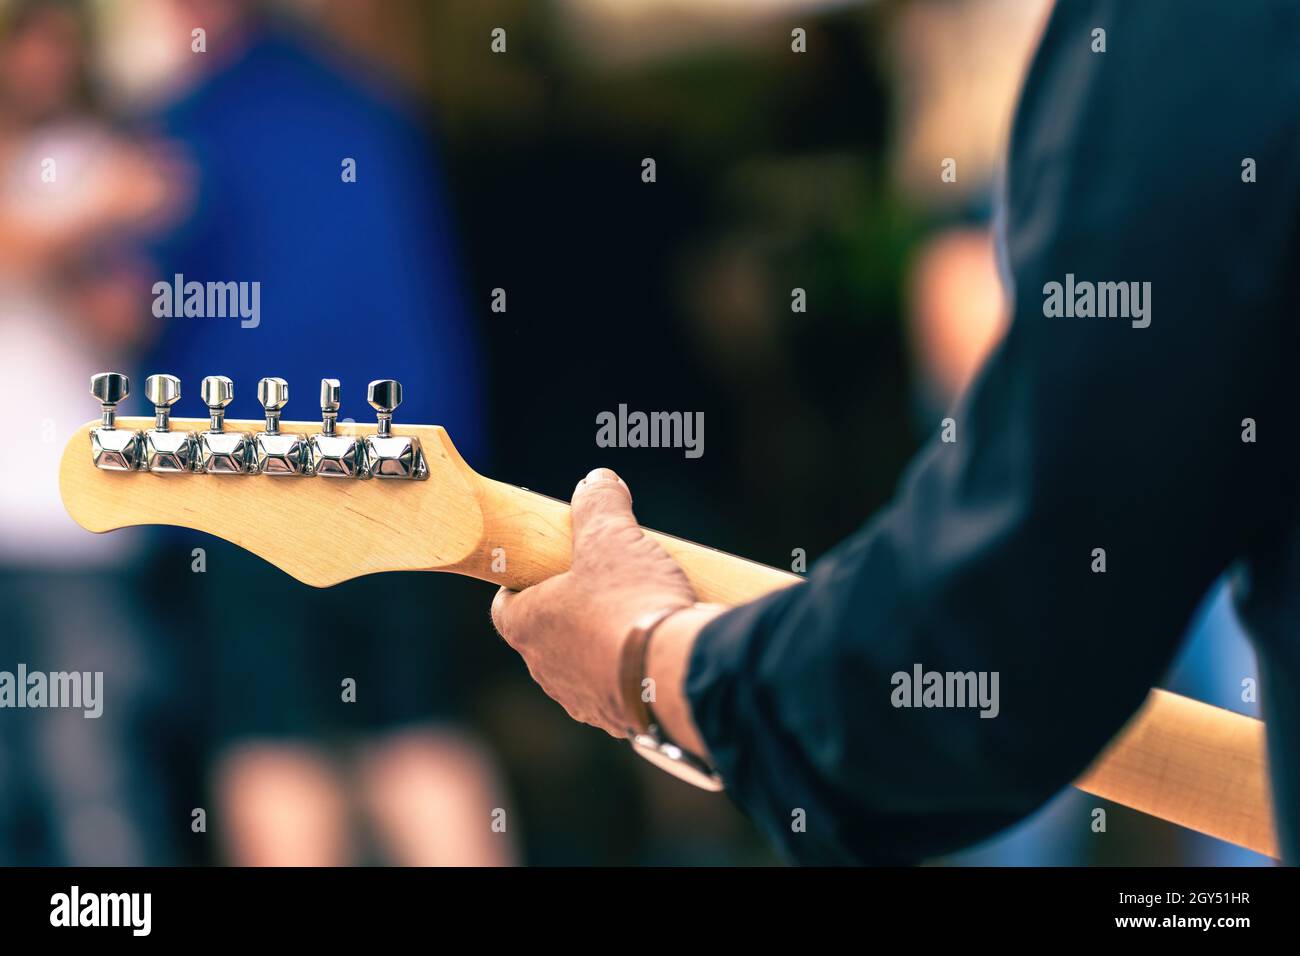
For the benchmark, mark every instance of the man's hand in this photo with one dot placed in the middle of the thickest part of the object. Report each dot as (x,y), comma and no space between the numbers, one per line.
(570,629)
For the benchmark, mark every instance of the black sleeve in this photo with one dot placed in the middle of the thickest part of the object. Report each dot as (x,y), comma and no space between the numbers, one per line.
(1081,433)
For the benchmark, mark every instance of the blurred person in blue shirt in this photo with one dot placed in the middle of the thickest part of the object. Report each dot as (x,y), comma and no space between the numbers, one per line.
(356,281)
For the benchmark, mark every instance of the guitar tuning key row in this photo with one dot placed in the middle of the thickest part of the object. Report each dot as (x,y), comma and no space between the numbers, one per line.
(272,451)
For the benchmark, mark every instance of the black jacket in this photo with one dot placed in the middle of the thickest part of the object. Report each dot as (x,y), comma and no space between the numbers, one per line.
(1081,433)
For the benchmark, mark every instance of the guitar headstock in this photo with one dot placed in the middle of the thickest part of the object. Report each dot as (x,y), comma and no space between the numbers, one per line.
(322,501)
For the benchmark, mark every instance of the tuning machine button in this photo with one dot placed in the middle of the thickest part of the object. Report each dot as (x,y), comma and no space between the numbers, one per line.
(389,455)
(275,452)
(113,448)
(166,451)
(221,452)
(330,454)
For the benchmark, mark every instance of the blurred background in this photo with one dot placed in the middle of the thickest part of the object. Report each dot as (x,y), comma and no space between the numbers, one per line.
(133,148)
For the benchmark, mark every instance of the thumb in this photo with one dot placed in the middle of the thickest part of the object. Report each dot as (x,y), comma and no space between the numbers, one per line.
(600,499)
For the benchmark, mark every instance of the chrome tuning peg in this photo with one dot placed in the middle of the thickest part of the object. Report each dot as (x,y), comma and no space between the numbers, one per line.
(113,448)
(166,451)
(221,452)
(330,454)
(389,455)
(275,452)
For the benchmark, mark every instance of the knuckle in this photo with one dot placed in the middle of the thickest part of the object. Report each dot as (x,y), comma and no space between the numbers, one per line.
(606,494)
(616,529)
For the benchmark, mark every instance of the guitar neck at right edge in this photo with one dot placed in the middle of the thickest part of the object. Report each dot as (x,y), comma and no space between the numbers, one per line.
(1178,759)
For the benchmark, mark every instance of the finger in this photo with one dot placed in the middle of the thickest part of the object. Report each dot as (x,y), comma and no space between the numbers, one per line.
(505,612)
(601,496)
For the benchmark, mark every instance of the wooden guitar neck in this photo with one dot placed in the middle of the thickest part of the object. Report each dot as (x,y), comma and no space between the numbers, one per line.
(1181,760)
(527,535)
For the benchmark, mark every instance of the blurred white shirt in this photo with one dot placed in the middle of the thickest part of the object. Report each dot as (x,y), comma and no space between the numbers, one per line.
(45,365)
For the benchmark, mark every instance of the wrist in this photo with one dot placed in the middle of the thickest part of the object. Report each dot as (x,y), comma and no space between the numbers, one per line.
(667,664)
